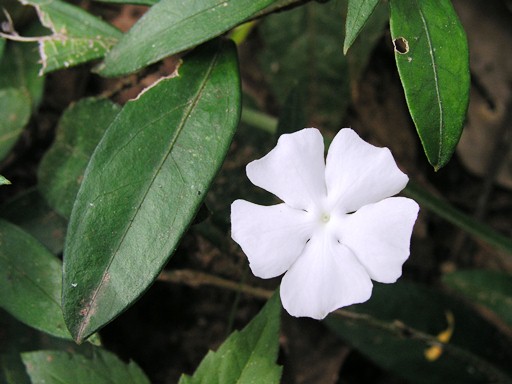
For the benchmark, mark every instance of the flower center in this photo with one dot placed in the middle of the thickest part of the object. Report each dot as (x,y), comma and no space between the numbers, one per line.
(325,217)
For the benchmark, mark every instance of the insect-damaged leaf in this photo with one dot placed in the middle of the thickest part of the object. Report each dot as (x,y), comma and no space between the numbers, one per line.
(77,36)
(144,184)
(431,53)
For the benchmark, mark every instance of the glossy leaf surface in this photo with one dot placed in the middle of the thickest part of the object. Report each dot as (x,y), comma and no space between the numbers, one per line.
(77,36)
(358,13)
(490,289)
(144,184)
(172,26)
(14,115)
(31,281)
(247,356)
(431,53)
(476,352)
(62,169)
(103,367)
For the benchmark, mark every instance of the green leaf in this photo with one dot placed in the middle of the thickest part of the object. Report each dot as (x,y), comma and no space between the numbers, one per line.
(4,181)
(358,14)
(144,184)
(247,356)
(19,69)
(14,115)
(302,47)
(135,2)
(59,367)
(80,130)
(31,281)
(30,211)
(475,352)
(431,53)
(172,26)
(77,36)
(491,289)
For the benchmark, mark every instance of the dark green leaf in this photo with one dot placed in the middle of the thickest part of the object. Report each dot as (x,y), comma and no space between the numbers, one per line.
(14,115)
(247,356)
(77,36)
(475,353)
(136,2)
(358,14)
(62,169)
(59,367)
(302,47)
(19,69)
(172,26)
(431,53)
(491,289)
(31,281)
(31,212)
(144,184)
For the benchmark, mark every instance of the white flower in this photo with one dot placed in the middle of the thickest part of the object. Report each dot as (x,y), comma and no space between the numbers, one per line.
(338,227)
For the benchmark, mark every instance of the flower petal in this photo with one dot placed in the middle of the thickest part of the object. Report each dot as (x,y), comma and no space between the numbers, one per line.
(379,234)
(294,170)
(271,237)
(358,173)
(325,277)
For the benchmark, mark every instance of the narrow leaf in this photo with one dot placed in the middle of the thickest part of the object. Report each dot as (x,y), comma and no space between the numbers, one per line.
(431,53)
(4,181)
(172,26)
(247,356)
(144,184)
(473,352)
(359,12)
(103,367)
(491,289)
(31,281)
(77,36)
(62,169)
(14,115)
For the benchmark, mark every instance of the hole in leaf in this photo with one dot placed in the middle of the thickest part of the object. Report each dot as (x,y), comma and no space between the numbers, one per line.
(401,45)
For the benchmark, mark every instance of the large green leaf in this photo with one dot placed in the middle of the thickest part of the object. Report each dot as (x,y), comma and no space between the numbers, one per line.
(491,289)
(80,129)
(14,115)
(59,367)
(19,69)
(30,211)
(247,356)
(432,57)
(144,184)
(31,281)
(302,51)
(358,14)
(476,352)
(77,36)
(172,26)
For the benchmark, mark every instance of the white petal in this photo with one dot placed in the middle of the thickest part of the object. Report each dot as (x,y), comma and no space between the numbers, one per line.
(271,237)
(294,170)
(380,234)
(358,173)
(325,277)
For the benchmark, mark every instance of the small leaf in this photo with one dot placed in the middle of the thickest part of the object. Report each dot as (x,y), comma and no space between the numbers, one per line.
(172,26)
(431,53)
(46,367)
(248,356)
(4,181)
(14,115)
(30,211)
(476,352)
(80,129)
(77,36)
(31,281)
(144,184)
(358,14)
(302,47)
(491,289)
